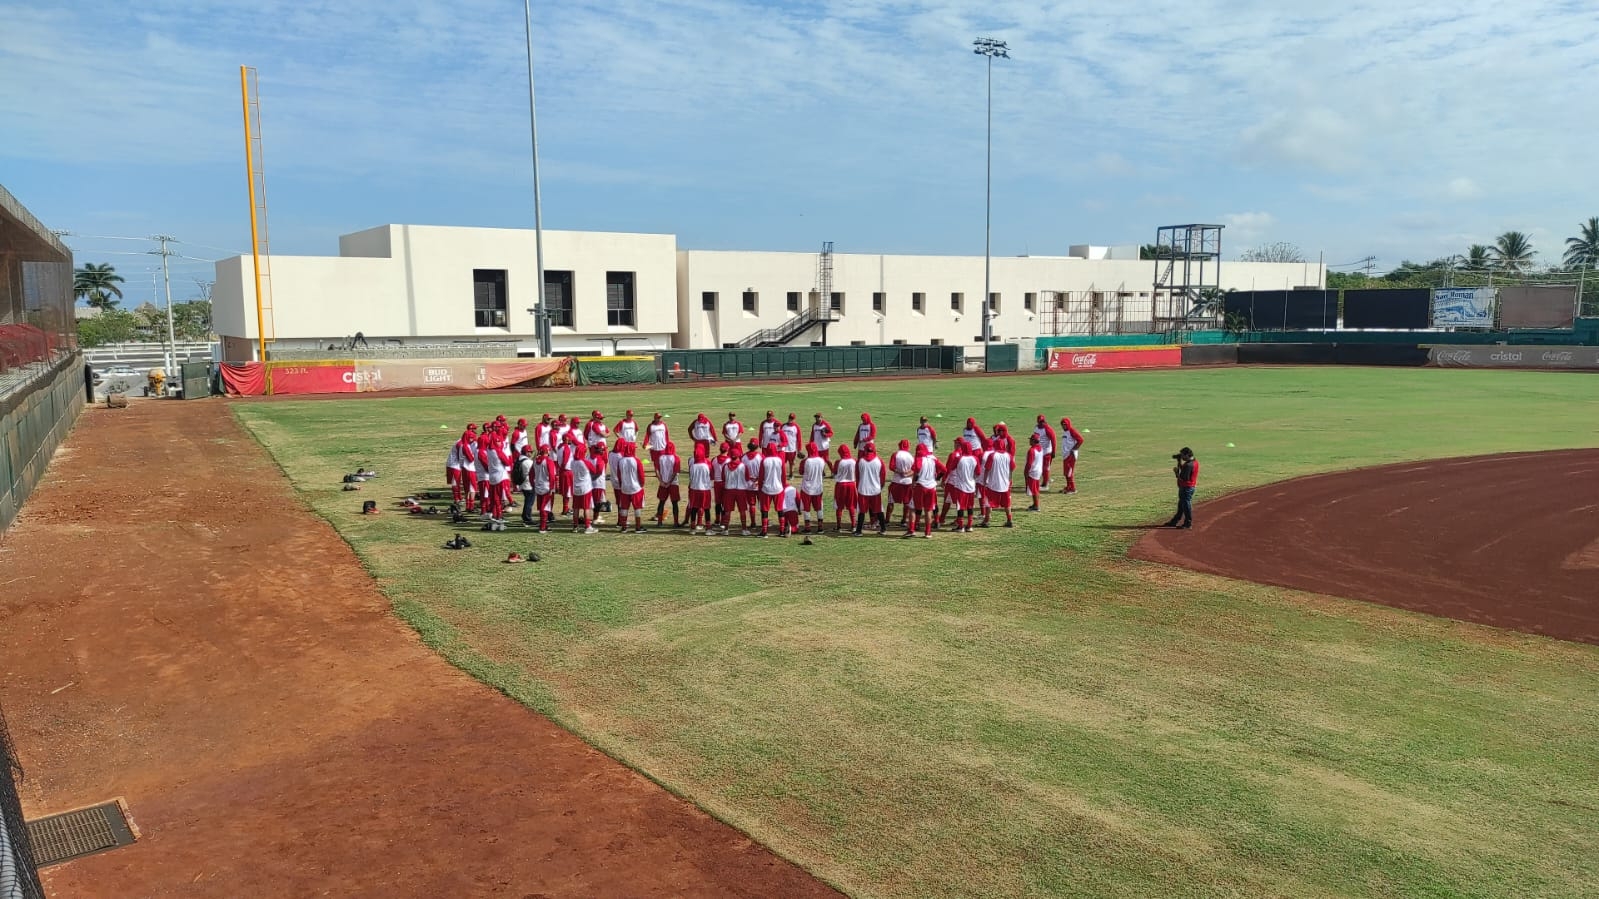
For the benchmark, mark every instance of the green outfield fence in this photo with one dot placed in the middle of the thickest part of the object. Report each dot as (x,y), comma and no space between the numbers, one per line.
(807,362)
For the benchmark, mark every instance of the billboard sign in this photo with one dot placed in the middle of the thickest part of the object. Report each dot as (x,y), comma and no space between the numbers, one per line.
(1463,307)
(1530,356)
(1108,359)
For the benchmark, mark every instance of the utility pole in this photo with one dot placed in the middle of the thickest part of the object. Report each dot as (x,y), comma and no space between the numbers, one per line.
(166,275)
(988,47)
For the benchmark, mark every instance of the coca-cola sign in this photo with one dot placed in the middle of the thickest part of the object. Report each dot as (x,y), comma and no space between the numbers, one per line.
(1515,357)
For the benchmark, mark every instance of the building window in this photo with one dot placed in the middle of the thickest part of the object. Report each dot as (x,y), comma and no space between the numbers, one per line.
(488,297)
(793,301)
(899,342)
(1060,301)
(750,299)
(558,298)
(877,301)
(1029,300)
(993,302)
(838,302)
(918,302)
(708,301)
(937,341)
(619,300)
(857,343)
(957,302)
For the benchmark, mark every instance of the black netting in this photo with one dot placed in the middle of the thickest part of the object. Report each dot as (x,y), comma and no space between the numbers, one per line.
(19,877)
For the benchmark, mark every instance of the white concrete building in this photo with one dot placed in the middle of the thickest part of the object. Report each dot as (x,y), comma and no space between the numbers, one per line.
(421,285)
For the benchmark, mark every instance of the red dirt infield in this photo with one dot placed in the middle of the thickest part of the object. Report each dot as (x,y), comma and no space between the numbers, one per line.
(177,630)
(1510,541)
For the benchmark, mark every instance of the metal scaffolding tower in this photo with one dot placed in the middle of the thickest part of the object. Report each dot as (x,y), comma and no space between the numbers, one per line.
(1187,266)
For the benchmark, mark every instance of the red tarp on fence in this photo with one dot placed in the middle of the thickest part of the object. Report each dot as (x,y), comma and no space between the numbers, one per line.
(1092,359)
(244,378)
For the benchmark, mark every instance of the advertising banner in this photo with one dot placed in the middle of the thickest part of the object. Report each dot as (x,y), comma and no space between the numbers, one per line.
(1463,307)
(1113,358)
(371,375)
(1537,307)
(1548,357)
(300,377)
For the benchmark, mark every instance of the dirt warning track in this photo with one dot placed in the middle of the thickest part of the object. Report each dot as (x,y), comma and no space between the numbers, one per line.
(176,630)
(1510,541)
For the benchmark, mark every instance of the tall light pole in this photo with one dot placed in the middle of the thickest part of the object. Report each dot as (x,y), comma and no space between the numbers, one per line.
(166,274)
(990,48)
(541,318)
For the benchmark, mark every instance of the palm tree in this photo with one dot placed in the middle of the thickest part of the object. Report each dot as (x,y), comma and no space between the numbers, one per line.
(1583,251)
(97,283)
(1479,258)
(1512,251)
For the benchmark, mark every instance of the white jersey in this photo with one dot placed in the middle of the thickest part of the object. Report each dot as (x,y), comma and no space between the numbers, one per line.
(655,435)
(595,434)
(812,472)
(699,476)
(1044,442)
(627,429)
(819,437)
(790,500)
(924,436)
(902,464)
(629,479)
(768,431)
(1068,444)
(731,430)
(752,471)
(963,475)
(997,475)
(772,479)
(869,475)
(518,440)
(494,467)
(790,438)
(541,478)
(602,475)
(667,469)
(863,434)
(702,432)
(611,460)
(845,473)
(974,439)
(735,476)
(454,461)
(542,434)
(718,470)
(927,472)
(558,436)
(1035,464)
(582,478)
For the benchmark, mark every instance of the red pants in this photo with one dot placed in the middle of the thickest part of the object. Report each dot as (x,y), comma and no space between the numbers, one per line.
(1068,467)
(999,499)
(791,519)
(669,492)
(699,499)
(1032,487)
(844,497)
(962,501)
(768,500)
(808,503)
(870,505)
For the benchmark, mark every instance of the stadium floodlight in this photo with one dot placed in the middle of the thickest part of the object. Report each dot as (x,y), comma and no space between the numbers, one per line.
(990,48)
(541,316)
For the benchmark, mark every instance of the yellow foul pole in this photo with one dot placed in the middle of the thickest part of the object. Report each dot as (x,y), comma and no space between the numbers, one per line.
(255,239)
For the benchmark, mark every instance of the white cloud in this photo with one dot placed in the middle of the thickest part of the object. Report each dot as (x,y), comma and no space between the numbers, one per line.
(1247,227)
(1462,189)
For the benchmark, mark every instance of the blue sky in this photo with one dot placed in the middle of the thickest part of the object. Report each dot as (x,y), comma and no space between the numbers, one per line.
(1358,128)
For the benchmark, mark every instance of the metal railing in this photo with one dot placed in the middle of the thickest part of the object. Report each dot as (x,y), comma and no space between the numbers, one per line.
(787,331)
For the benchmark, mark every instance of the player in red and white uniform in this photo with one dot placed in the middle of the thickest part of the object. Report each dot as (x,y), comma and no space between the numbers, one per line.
(495,461)
(571,447)
(774,477)
(788,511)
(821,434)
(732,429)
(611,458)
(925,490)
(580,480)
(813,478)
(870,473)
(594,430)
(667,467)
(997,471)
(699,491)
(656,438)
(518,438)
(768,429)
(845,499)
(562,429)
(1046,440)
(735,483)
(455,463)
(544,480)
(1003,439)
(597,462)
(865,432)
(629,487)
(544,433)
(627,428)
(1035,468)
(719,484)
(960,484)
(703,433)
(899,489)
(789,440)
(973,435)
(926,436)
(1070,442)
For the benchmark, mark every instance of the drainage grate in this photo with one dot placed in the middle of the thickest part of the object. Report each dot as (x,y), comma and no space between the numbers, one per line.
(70,835)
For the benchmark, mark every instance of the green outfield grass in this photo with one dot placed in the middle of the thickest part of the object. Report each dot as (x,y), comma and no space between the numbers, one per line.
(1026,712)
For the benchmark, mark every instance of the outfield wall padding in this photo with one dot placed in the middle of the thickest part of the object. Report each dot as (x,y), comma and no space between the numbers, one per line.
(1537,307)
(1287,354)
(808,362)
(377,375)
(34,420)
(1580,358)
(1284,310)
(1379,354)
(1211,354)
(1114,358)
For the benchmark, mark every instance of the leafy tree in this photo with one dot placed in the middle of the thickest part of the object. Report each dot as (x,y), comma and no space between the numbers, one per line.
(1513,252)
(192,320)
(1281,251)
(1582,251)
(97,283)
(110,326)
(1151,251)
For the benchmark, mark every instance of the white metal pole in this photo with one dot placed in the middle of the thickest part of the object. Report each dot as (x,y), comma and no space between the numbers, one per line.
(166,276)
(541,318)
(988,213)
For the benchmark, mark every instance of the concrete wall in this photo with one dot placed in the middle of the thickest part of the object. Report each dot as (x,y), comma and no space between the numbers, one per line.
(34,419)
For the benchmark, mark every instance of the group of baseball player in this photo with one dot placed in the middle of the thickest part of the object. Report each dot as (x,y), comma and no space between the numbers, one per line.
(739,472)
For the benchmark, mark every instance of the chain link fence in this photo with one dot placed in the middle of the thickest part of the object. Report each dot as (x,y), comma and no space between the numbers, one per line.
(18,874)
(37,326)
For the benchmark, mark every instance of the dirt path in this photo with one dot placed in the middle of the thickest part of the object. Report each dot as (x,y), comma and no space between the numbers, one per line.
(1510,541)
(176,630)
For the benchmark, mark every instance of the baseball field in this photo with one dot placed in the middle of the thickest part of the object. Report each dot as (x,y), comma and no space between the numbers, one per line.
(1031,712)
